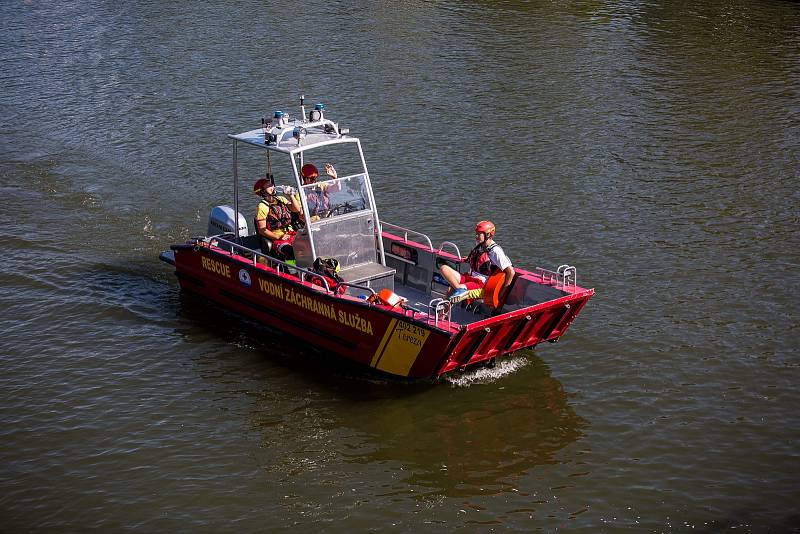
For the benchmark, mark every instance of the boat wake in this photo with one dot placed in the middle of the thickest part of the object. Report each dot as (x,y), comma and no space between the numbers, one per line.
(487,375)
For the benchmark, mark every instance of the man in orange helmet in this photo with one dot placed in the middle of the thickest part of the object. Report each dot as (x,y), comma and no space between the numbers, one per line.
(273,219)
(486,259)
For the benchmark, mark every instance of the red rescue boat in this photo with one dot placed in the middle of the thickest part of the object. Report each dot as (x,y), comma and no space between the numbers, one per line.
(387,305)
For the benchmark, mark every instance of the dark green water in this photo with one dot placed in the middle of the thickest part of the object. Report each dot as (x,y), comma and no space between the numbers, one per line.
(654,145)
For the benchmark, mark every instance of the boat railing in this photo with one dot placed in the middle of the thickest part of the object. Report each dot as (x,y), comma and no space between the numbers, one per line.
(440,310)
(451,244)
(562,278)
(356,286)
(406,232)
(275,263)
(281,266)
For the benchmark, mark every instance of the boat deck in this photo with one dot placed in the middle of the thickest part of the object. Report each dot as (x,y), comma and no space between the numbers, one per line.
(460,314)
(471,312)
(527,290)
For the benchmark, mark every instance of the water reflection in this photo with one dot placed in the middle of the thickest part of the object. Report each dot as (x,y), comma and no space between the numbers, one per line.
(445,440)
(470,441)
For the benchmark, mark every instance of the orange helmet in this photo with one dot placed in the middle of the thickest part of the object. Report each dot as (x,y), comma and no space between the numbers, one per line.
(309,171)
(262,184)
(487,227)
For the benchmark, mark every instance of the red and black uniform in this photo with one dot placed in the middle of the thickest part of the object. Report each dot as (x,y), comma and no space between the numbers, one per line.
(479,261)
(277,218)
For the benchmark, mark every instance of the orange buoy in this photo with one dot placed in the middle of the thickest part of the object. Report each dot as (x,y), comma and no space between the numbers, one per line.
(389,297)
(493,288)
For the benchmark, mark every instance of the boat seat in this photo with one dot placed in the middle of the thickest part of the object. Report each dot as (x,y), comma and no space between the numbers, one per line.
(372,275)
(252,242)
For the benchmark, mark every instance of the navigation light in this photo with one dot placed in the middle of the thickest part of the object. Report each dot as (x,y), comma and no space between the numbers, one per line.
(317,113)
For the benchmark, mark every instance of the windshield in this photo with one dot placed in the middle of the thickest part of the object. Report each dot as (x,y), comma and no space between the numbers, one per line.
(333,198)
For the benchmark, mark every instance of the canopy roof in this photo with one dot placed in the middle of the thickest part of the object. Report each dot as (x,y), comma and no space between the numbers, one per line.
(292,136)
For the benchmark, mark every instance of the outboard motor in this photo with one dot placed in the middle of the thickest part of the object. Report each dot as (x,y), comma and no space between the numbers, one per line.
(220,221)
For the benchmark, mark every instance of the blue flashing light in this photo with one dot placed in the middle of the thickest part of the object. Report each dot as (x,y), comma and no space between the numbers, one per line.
(279,114)
(319,107)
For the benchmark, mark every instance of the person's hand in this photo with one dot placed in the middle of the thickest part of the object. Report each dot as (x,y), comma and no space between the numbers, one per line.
(288,190)
(330,171)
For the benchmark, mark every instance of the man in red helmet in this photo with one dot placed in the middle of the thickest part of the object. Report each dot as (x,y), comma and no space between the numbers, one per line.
(486,259)
(317,197)
(273,219)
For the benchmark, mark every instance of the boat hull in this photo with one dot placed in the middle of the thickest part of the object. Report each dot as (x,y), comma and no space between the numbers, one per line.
(346,326)
(395,342)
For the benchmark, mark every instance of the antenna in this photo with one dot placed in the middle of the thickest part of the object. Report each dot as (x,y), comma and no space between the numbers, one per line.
(303,107)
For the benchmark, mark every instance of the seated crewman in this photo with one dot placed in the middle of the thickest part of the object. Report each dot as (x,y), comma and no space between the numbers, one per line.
(273,219)
(484,260)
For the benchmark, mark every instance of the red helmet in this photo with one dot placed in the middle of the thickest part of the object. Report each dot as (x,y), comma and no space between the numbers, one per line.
(261,185)
(309,171)
(487,227)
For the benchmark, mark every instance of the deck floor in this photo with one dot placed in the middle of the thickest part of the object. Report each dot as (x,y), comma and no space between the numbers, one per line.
(419,300)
